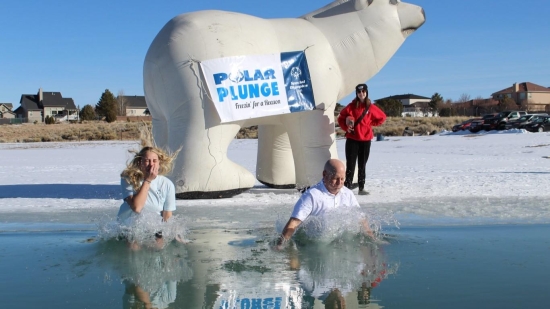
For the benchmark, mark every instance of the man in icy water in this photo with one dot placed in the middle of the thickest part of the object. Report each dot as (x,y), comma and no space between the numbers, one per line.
(329,194)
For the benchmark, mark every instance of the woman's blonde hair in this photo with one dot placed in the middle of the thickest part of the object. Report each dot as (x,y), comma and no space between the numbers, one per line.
(132,173)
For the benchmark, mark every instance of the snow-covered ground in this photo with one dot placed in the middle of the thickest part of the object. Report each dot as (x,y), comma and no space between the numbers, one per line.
(448,178)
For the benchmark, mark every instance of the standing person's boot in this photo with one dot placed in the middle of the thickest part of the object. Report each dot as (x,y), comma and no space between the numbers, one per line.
(362,191)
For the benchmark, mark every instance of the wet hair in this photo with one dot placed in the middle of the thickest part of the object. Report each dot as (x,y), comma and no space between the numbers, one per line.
(133,174)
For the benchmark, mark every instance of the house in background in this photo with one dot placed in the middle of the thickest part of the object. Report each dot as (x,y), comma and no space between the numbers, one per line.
(6,111)
(35,107)
(413,105)
(135,105)
(475,107)
(531,97)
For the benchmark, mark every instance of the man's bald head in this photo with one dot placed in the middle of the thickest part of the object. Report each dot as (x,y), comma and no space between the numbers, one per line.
(333,165)
(334,175)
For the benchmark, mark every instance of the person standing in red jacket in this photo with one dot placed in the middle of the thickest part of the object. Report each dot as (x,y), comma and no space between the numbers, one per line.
(357,119)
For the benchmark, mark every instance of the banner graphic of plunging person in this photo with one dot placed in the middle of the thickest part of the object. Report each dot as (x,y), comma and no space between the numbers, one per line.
(256,86)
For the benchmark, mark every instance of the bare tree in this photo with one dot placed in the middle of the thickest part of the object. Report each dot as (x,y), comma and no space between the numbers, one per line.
(524,105)
(507,103)
(121,103)
(463,98)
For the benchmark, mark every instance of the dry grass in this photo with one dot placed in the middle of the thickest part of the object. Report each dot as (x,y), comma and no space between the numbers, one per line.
(394,126)
(86,131)
(99,130)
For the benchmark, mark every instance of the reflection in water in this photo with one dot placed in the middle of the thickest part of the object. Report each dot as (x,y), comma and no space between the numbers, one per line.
(340,274)
(237,269)
(150,276)
(346,269)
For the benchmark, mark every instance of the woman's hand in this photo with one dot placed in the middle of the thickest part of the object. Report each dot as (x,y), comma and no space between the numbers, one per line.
(350,122)
(151,172)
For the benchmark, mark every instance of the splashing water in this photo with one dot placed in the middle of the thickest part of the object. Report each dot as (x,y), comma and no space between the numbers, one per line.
(143,229)
(339,224)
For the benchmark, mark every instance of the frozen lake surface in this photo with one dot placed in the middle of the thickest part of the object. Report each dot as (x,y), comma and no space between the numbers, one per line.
(466,218)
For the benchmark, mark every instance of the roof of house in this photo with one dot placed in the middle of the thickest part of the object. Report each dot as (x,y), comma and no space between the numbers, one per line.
(28,102)
(524,87)
(8,105)
(136,101)
(405,96)
(7,112)
(49,99)
(69,103)
(52,99)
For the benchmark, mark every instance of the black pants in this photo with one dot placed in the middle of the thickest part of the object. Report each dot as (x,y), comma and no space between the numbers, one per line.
(356,151)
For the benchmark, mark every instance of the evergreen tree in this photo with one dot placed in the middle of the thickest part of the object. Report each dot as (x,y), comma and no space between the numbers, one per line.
(435,102)
(49,120)
(391,107)
(87,112)
(107,106)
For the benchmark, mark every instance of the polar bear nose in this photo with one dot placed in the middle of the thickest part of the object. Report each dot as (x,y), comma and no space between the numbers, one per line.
(411,17)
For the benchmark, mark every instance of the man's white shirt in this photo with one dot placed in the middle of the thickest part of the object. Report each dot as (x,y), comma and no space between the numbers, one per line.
(317,201)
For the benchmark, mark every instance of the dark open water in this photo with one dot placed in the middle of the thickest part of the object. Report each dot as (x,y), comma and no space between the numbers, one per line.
(501,266)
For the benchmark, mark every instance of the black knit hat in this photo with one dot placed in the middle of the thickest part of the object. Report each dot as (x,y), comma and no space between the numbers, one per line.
(362,87)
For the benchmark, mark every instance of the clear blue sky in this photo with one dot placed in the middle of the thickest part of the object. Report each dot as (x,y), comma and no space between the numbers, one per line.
(81,48)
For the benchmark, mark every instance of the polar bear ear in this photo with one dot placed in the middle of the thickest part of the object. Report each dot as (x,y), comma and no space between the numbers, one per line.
(361,4)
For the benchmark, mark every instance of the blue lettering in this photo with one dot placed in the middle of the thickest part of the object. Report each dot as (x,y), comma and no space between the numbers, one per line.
(224,305)
(243,92)
(247,77)
(258,75)
(278,301)
(275,88)
(269,74)
(254,90)
(248,91)
(268,303)
(233,94)
(222,93)
(219,78)
(245,303)
(264,88)
(256,303)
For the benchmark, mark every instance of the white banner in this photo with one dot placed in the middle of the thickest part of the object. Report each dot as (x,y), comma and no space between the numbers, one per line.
(247,87)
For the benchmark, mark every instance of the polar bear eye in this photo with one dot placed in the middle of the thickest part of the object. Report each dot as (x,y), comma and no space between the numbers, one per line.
(394,2)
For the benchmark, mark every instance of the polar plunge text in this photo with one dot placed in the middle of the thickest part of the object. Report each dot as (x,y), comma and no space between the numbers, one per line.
(251,90)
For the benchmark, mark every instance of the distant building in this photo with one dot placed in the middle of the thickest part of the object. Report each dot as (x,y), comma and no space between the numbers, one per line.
(530,97)
(413,105)
(475,107)
(135,105)
(6,111)
(35,107)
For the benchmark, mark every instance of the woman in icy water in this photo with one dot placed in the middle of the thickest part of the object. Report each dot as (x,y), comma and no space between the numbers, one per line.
(145,189)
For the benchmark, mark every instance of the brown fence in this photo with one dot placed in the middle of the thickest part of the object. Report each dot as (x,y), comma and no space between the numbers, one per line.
(133,118)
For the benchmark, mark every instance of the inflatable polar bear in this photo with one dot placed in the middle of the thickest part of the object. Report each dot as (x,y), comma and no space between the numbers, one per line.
(345,43)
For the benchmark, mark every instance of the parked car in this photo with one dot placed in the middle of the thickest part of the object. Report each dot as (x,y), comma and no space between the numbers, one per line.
(499,121)
(477,125)
(522,121)
(463,125)
(541,124)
